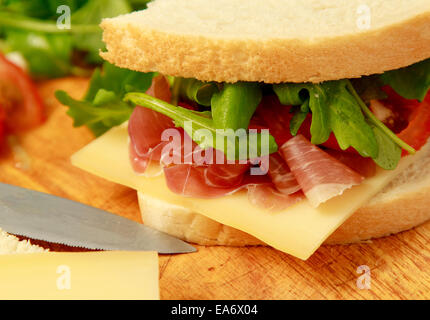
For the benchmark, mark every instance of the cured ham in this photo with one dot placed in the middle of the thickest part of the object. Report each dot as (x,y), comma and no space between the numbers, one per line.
(268,198)
(281,175)
(321,176)
(190,181)
(146,126)
(224,174)
(160,89)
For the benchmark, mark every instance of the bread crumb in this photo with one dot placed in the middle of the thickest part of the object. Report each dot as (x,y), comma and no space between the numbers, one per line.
(12,245)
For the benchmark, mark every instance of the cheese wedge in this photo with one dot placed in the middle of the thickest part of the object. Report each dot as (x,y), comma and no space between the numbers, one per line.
(299,230)
(89,275)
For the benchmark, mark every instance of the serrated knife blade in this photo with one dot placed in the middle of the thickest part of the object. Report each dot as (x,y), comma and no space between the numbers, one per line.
(50,218)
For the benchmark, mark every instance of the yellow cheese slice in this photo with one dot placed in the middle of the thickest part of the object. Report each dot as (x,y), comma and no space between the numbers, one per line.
(299,230)
(110,275)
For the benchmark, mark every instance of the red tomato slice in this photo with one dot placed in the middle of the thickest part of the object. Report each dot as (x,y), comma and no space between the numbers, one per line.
(2,124)
(19,99)
(275,116)
(411,120)
(332,143)
(417,132)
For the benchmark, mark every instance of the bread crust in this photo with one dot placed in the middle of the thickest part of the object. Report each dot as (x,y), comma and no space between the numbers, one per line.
(131,46)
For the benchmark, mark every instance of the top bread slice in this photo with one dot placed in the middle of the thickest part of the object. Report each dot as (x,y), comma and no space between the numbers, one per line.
(270,41)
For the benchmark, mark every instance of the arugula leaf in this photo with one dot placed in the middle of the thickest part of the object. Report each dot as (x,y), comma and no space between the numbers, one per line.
(371,118)
(412,82)
(347,121)
(389,152)
(21,22)
(103,107)
(293,94)
(139,4)
(41,9)
(105,112)
(91,14)
(318,103)
(203,126)
(47,55)
(299,117)
(314,96)
(195,90)
(235,104)
(333,110)
(118,80)
(352,123)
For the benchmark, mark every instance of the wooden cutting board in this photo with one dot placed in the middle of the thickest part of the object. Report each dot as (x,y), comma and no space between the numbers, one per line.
(398,265)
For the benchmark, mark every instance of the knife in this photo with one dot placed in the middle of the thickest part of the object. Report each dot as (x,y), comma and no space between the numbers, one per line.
(50,218)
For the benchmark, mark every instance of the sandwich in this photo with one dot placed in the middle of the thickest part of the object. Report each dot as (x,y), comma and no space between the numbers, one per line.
(281,123)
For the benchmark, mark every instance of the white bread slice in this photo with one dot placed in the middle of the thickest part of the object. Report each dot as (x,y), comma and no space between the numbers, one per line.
(272,40)
(400,206)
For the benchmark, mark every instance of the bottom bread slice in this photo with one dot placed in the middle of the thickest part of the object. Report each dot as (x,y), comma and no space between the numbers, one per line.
(402,205)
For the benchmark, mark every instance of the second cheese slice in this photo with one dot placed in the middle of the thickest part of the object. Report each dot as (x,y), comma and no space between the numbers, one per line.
(298,230)
(104,275)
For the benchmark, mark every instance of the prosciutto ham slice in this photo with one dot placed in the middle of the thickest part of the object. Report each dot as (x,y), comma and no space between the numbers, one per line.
(281,175)
(146,126)
(268,198)
(200,175)
(225,174)
(208,179)
(190,180)
(321,176)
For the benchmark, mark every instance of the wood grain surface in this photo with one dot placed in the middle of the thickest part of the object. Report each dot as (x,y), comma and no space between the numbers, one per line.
(399,265)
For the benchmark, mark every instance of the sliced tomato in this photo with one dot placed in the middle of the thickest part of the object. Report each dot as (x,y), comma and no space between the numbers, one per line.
(332,144)
(411,118)
(417,132)
(275,116)
(402,110)
(21,104)
(2,123)
(364,166)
